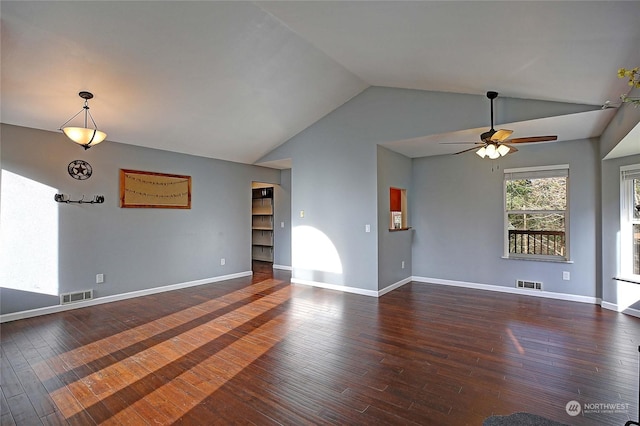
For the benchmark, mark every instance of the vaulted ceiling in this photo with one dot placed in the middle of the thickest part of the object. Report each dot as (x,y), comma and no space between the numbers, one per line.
(234,80)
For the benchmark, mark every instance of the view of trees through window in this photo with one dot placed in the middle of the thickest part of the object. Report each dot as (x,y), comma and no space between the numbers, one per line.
(536,215)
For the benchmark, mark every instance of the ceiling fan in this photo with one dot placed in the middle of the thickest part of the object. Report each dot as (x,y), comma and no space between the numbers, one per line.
(494,143)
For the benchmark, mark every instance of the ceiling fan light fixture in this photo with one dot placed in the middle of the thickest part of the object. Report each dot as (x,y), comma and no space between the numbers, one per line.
(84,136)
(503,150)
(496,143)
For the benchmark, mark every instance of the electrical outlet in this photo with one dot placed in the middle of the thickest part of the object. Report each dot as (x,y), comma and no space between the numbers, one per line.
(99,278)
(281,224)
(301,213)
(566,275)
(367,228)
(222,261)
(403,264)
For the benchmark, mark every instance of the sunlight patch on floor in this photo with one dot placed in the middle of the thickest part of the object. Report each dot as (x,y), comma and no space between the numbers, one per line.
(153,360)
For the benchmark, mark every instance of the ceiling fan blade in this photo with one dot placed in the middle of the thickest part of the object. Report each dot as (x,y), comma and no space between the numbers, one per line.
(466,150)
(501,135)
(534,139)
(461,143)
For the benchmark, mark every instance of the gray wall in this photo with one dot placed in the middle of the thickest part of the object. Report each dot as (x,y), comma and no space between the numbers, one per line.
(626,118)
(611,229)
(334,167)
(458,215)
(282,213)
(394,247)
(340,179)
(135,249)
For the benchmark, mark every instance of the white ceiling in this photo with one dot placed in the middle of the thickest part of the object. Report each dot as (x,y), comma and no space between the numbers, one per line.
(233,80)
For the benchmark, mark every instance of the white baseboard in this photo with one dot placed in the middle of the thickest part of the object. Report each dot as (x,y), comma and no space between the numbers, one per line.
(373,293)
(283,267)
(613,307)
(631,311)
(364,292)
(394,286)
(503,289)
(343,288)
(610,306)
(108,299)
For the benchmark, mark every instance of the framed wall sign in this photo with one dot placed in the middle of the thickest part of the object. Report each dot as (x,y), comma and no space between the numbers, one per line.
(140,189)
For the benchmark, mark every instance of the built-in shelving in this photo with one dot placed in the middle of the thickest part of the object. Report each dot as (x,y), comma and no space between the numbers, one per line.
(262,224)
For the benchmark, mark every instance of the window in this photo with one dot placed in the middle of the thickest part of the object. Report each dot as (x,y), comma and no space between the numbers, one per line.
(630,221)
(398,208)
(536,213)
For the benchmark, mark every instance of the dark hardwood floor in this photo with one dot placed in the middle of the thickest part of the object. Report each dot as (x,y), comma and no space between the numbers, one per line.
(262,351)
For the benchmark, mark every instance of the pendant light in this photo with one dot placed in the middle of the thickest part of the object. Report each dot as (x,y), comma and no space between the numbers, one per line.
(84,136)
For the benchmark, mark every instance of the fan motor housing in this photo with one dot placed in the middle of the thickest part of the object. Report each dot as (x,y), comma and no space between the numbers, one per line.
(486,136)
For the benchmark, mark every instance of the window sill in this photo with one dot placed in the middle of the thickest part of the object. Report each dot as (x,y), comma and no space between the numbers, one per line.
(399,229)
(533,259)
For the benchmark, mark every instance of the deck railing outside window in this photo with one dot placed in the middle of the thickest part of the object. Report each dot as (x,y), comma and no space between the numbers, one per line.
(537,242)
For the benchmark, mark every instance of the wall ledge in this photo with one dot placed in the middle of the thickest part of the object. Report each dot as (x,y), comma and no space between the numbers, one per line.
(14,316)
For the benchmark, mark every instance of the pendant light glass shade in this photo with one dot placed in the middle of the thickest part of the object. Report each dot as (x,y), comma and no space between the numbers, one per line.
(84,136)
(503,150)
(491,151)
(482,152)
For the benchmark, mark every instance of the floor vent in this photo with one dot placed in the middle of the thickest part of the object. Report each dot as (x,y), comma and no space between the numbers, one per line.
(75,297)
(531,285)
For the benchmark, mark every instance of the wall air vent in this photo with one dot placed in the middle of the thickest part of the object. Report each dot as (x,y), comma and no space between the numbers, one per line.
(75,297)
(530,285)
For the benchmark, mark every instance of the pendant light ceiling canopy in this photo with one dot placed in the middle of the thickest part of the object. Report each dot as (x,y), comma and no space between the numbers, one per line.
(84,136)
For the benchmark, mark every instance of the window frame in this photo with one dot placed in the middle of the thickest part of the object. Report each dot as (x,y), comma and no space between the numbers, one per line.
(537,172)
(625,263)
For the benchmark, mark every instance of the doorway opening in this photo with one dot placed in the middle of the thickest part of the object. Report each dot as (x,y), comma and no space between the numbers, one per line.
(262,235)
